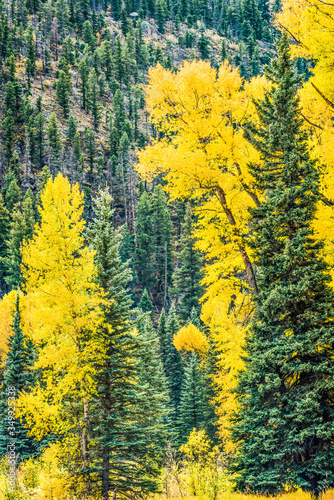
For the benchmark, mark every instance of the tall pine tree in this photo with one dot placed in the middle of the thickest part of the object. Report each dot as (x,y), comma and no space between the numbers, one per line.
(283,428)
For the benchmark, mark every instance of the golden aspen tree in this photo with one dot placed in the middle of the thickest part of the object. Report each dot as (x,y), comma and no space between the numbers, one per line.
(204,156)
(309,25)
(63,314)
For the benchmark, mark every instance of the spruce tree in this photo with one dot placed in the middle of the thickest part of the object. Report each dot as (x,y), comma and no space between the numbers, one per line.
(93,94)
(4,232)
(187,277)
(283,428)
(194,404)
(84,75)
(173,363)
(145,302)
(62,93)
(161,234)
(144,251)
(203,45)
(54,140)
(125,439)
(21,229)
(16,379)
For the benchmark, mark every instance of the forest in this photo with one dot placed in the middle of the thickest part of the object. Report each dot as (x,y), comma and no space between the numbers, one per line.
(166,250)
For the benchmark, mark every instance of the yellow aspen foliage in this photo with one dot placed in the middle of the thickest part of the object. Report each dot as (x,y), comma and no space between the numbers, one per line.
(63,314)
(204,156)
(310,25)
(7,307)
(190,338)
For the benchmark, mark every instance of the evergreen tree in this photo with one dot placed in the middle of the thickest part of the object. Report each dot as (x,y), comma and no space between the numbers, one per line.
(12,195)
(93,94)
(84,75)
(119,64)
(187,277)
(203,45)
(31,55)
(62,93)
(54,142)
(194,405)
(126,439)
(145,302)
(283,428)
(16,379)
(144,251)
(21,229)
(161,234)
(4,232)
(72,127)
(173,363)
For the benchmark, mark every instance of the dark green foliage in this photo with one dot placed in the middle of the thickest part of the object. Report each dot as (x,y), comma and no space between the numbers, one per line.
(72,127)
(63,93)
(172,362)
(93,94)
(187,277)
(145,302)
(283,429)
(17,378)
(144,250)
(194,409)
(83,74)
(203,45)
(31,55)
(129,408)
(21,229)
(4,232)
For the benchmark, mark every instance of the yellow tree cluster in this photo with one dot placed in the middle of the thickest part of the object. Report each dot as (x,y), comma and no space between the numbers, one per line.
(310,26)
(205,157)
(62,313)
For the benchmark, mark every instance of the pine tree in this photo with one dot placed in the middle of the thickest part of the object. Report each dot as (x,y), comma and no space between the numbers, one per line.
(54,142)
(119,64)
(12,195)
(21,229)
(126,438)
(144,251)
(283,428)
(84,74)
(145,302)
(16,379)
(72,128)
(153,382)
(187,277)
(93,94)
(194,404)
(62,93)
(161,233)
(172,362)
(203,45)
(31,55)
(4,232)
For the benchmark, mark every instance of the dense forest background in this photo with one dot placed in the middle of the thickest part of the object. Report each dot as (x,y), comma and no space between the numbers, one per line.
(119,377)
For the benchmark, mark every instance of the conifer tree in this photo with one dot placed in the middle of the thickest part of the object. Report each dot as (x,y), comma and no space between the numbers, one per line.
(194,404)
(283,428)
(145,302)
(72,127)
(126,430)
(172,362)
(84,75)
(93,94)
(12,195)
(21,229)
(203,45)
(16,379)
(187,277)
(161,234)
(54,142)
(31,55)
(162,334)
(4,231)
(144,251)
(63,93)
